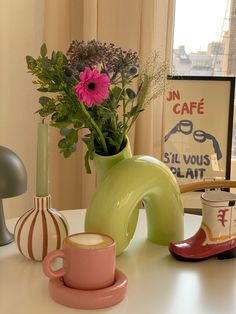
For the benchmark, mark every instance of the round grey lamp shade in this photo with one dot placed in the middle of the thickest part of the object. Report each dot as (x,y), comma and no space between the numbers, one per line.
(13,182)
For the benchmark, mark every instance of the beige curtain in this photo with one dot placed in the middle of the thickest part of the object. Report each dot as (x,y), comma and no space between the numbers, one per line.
(21,25)
(137,24)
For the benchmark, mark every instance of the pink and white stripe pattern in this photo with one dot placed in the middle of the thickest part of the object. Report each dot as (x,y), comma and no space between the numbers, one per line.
(40,229)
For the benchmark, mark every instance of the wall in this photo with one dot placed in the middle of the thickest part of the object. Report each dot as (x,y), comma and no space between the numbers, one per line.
(21,31)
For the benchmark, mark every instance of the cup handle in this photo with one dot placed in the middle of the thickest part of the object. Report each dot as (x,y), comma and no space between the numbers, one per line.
(47,265)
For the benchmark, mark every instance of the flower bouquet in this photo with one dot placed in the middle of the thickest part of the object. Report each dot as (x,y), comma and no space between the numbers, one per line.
(98,87)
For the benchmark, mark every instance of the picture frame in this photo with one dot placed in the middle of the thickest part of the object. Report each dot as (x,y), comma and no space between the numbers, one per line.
(197,124)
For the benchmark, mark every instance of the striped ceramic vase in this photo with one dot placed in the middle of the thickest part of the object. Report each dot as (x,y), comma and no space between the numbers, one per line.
(40,230)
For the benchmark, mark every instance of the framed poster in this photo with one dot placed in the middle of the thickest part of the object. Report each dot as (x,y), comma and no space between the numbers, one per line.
(198,119)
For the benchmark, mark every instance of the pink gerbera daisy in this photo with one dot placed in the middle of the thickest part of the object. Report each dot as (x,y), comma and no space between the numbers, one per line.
(93,87)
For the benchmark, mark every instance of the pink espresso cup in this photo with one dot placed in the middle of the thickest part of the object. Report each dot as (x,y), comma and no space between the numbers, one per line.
(88,261)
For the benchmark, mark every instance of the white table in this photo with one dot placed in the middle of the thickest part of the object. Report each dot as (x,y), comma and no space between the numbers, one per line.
(158,284)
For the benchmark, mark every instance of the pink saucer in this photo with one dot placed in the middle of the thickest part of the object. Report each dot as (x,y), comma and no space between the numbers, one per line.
(89,299)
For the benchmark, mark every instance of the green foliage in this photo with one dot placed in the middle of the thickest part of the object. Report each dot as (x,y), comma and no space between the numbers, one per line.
(108,122)
(131,94)
(43,50)
(67,143)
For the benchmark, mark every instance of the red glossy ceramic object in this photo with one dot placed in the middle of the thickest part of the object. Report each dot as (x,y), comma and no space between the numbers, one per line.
(217,233)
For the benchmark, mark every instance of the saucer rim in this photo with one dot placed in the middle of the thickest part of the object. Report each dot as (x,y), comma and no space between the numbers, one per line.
(89,299)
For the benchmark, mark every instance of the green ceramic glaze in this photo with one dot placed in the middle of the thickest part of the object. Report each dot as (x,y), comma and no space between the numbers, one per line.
(104,163)
(114,205)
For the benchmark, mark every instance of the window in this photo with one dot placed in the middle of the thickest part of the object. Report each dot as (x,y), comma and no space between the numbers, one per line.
(205,43)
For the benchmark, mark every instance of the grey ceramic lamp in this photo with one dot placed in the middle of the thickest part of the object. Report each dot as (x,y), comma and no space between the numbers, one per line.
(13,182)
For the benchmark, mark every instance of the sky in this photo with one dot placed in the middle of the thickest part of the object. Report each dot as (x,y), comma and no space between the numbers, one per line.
(198,22)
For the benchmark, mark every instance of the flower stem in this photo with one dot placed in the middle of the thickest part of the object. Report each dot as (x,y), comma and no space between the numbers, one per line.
(124,108)
(100,135)
(94,124)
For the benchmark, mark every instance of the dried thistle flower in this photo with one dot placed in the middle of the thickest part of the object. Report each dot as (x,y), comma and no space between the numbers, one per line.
(113,59)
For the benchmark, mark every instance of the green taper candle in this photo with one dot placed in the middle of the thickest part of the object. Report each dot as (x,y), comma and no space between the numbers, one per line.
(42,161)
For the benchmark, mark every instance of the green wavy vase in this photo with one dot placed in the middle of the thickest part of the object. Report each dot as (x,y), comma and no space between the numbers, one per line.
(125,181)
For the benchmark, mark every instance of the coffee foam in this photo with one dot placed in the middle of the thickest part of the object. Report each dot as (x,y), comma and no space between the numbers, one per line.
(90,240)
